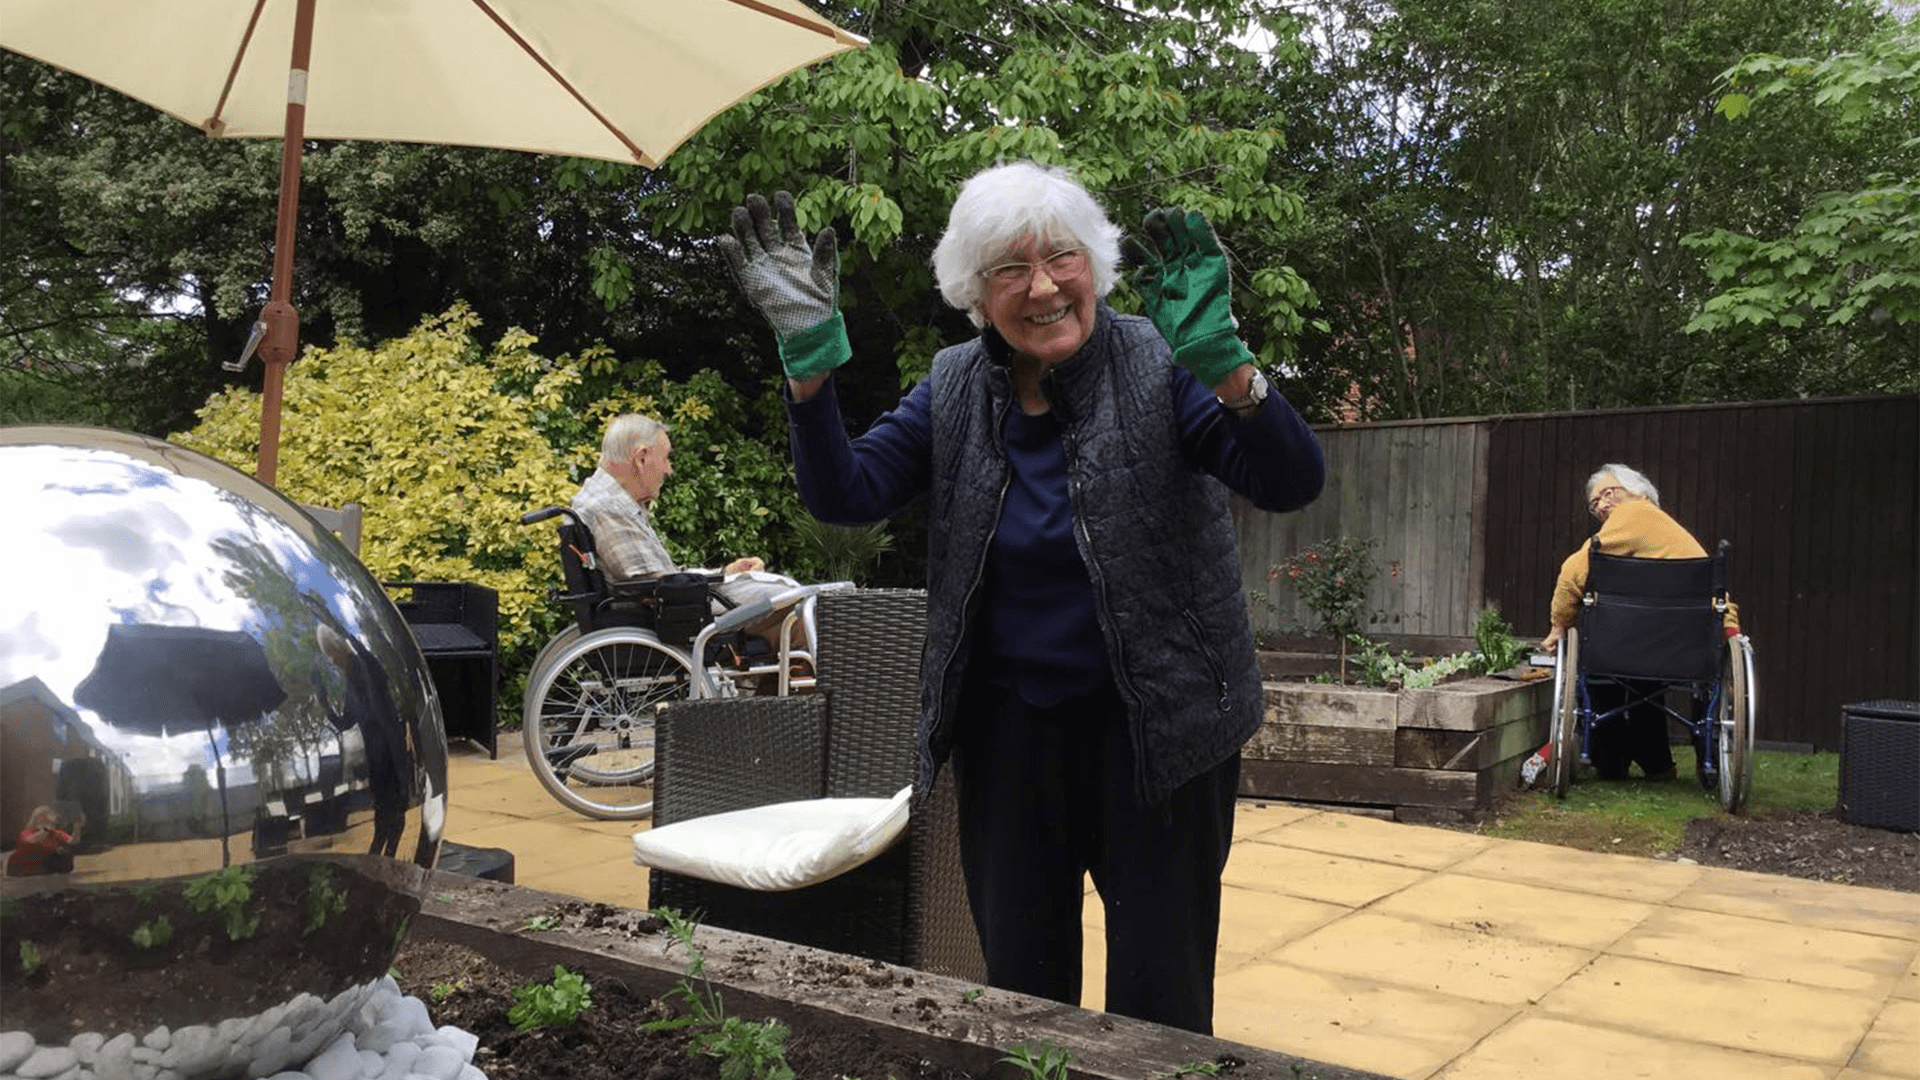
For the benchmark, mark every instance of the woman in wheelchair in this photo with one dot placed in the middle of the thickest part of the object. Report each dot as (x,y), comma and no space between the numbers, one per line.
(1632,524)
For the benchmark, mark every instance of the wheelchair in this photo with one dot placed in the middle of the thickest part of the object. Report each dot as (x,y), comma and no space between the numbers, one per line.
(597,687)
(1658,623)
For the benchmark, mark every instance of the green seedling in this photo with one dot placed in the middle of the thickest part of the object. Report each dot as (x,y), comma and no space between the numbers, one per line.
(973,995)
(146,894)
(442,991)
(1047,1062)
(541,922)
(226,891)
(29,958)
(747,1050)
(554,1004)
(324,898)
(155,931)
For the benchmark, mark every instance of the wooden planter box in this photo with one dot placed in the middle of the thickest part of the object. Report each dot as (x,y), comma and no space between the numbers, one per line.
(1436,755)
(948,1022)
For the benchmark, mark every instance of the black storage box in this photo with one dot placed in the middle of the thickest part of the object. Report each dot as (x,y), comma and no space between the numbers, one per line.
(456,624)
(1880,764)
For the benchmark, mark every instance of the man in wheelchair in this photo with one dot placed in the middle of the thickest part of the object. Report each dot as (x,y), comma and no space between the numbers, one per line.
(635,461)
(1632,524)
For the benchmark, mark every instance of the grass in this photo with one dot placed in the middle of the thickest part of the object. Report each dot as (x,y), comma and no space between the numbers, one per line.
(1641,817)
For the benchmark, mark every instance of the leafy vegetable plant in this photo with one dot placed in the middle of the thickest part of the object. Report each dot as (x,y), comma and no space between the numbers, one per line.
(554,1004)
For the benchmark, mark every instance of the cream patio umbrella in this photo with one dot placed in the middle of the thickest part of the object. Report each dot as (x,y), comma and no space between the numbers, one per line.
(622,80)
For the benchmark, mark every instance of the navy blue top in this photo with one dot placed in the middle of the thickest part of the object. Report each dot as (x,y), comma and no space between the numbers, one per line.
(1038,623)
(1039,631)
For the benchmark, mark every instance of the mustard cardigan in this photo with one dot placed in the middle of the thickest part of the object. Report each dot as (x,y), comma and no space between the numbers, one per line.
(1637,528)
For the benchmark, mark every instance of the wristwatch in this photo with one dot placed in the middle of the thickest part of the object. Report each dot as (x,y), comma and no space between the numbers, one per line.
(1256,393)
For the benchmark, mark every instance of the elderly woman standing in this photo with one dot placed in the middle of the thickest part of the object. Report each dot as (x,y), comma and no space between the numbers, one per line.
(1089,666)
(1627,505)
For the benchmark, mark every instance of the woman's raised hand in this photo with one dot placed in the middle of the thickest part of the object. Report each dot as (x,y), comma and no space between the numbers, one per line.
(796,288)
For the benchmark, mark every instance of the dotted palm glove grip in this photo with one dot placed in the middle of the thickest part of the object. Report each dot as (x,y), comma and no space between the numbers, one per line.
(1184,281)
(796,288)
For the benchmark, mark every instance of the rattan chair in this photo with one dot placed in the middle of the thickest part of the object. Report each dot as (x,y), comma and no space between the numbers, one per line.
(853,738)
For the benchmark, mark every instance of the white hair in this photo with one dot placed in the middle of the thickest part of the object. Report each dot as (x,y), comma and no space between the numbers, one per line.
(1001,207)
(1630,479)
(627,433)
(333,646)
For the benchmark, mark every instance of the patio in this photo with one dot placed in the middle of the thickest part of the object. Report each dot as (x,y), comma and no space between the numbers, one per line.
(1421,952)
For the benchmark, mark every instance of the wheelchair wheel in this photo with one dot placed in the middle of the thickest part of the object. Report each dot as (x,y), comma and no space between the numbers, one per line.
(589,727)
(546,654)
(1566,712)
(1735,721)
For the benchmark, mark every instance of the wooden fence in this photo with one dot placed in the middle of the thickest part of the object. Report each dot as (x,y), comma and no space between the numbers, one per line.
(1820,499)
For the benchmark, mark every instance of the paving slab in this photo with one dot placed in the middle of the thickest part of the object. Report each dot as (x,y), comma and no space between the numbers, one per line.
(1743,1013)
(1814,903)
(1625,876)
(1314,875)
(1788,952)
(1892,1045)
(1549,1048)
(1358,1022)
(1383,841)
(1518,910)
(1424,956)
(1254,819)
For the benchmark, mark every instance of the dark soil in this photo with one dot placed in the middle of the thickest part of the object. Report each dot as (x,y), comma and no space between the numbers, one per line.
(610,1041)
(141,955)
(1807,844)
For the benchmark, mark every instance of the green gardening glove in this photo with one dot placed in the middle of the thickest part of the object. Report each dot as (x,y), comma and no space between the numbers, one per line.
(795,288)
(1183,279)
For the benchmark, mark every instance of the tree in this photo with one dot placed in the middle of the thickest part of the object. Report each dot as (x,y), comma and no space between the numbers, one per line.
(1851,262)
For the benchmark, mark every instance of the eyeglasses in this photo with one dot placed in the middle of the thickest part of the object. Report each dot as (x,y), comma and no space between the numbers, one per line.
(1060,266)
(1593,504)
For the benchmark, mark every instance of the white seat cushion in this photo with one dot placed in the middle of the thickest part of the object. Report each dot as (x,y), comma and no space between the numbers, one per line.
(778,846)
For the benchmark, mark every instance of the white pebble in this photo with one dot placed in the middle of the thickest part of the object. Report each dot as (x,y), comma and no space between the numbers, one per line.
(87,1044)
(159,1038)
(289,1076)
(14,1048)
(271,1053)
(339,1061)
(48,1061)
(463,1042)
(114,1061)
(400,1060)
(371,1064)
(471,1072)
(439,1063)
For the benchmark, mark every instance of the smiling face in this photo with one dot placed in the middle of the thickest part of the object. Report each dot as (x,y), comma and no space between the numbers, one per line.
(1041,317)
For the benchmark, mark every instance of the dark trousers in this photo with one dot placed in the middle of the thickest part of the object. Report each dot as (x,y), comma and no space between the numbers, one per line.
(1046,796)
(1637,736)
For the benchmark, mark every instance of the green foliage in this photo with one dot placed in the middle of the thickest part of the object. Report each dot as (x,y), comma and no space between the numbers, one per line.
(1852,259)
(1332,578)
(973,995)
(29,957)
(1495,644)
(842,552)
(441,991)
(554,1004)
(155,931)
(324,899)
(747,1050)
(1044,1062)
(445,442)
(540,922)
(227,891)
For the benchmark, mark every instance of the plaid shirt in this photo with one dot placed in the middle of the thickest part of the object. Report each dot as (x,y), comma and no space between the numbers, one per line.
(624,543)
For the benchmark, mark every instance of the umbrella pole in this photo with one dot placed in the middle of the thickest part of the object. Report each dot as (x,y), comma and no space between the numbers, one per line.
(283,322)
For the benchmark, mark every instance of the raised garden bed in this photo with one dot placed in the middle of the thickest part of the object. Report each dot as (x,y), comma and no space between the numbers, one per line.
(890,1021)
(1438,754)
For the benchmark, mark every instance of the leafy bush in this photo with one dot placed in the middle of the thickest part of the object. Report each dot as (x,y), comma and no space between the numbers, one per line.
(1333,577)
(445,443)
